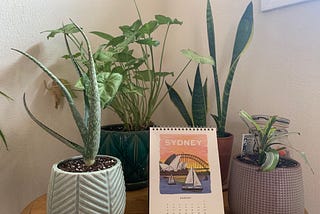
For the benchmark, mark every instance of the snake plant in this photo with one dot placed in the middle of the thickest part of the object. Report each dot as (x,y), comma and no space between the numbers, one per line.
(265,140)
(243,36)
(88,124)
(197,116)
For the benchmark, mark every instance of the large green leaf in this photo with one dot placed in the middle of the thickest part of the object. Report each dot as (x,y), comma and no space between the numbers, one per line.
(149,27)
(177,101)
(197,57)
(210,31)
(167,20)
(108,84)
(103,35)
(199,108)
(244,32)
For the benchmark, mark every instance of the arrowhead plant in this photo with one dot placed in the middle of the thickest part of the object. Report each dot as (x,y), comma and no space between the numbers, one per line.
(89,124)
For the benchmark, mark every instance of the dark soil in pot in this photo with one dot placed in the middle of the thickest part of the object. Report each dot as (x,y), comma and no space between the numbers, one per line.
(253,160)
(78,165)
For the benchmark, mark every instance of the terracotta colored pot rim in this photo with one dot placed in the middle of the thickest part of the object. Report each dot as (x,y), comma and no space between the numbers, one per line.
(228,135)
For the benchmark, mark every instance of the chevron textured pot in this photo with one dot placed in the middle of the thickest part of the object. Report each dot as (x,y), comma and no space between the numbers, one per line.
(252,191)
(132,148)
(99,192)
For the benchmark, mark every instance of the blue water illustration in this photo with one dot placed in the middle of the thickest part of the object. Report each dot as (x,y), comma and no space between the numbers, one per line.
(165,188)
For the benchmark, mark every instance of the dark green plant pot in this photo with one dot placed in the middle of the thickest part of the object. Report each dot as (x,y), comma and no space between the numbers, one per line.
(132,148)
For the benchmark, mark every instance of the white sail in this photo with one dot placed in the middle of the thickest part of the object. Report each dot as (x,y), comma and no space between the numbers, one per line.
(196,181)
(171,180)
(189,179)
(192,181)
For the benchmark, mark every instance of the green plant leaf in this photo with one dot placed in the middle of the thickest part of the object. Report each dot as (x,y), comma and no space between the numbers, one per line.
(245,116)
(198,102)
(177,101)
(116,40)
(68,29)
(123,57)
(163,19)
(80,123)
(190,54)
(167,20)
(128,30)
(244,33)
(103,35)
(104,55)
(271,161)
(210,31)
(205,94)
(108,84)
(149,27)
(149,42)
(67,142)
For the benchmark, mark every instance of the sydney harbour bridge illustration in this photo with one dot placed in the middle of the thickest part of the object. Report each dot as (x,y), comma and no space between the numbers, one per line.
(178,164)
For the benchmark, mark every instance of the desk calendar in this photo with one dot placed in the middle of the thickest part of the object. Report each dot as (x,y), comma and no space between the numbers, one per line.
(184,171)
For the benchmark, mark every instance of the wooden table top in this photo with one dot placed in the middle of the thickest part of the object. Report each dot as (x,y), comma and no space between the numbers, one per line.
(136,203)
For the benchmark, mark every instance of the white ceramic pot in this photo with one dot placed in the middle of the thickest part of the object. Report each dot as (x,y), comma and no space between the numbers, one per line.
(100,192)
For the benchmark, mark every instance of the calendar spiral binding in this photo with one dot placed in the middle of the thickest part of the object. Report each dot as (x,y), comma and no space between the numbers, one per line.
(181,128)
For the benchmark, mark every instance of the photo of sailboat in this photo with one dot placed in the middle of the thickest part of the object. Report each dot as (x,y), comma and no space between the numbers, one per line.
(192,181)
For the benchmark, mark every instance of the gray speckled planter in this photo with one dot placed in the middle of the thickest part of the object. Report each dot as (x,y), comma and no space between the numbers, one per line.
(252,191)
(101,192)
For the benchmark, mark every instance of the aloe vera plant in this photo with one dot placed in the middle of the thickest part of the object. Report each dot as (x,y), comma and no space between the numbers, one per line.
(196,117)
(243,36)
(88,124)
(267,137)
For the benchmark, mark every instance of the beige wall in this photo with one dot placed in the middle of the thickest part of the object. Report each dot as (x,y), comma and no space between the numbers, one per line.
(278,74)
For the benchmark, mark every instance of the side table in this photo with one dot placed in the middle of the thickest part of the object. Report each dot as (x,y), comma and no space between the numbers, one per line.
(136,203)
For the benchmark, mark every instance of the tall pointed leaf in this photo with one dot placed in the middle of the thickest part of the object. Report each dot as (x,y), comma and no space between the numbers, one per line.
(198,102)
(211,41)
(177,101)
(244,33)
